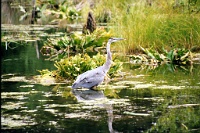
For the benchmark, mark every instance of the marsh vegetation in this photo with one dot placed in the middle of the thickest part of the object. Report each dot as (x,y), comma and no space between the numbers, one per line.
(152,86)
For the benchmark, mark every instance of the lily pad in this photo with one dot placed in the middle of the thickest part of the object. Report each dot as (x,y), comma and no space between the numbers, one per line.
(76,115)
(27,86)
(16,79)
(138,86)
(170,87)
(11,105)
(136,114)
(128,82)
(184,105)
(21,121)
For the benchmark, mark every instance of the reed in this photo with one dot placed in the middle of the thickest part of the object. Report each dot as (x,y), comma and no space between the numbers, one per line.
(161,25)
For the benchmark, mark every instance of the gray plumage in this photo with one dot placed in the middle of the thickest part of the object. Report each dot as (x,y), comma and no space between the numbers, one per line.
(92,78)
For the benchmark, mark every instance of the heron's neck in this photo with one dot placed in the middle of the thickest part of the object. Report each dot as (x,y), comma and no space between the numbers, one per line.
(108,62)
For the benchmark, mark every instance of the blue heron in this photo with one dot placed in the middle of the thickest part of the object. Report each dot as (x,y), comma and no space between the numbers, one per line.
(93,78)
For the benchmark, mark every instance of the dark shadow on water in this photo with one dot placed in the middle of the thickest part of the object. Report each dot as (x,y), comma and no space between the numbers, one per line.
(25,59)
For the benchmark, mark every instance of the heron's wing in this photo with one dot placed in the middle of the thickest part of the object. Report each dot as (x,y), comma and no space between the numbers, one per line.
(90,78)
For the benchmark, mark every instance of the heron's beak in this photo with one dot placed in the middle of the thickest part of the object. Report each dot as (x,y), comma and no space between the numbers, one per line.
(118,39)
(115,39)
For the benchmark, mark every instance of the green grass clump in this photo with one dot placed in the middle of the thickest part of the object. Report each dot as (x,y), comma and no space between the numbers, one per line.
(164,24)
(159,30)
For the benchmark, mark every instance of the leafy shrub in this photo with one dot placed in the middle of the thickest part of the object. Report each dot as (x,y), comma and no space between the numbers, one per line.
(176,56)
(60,47)
(70,68)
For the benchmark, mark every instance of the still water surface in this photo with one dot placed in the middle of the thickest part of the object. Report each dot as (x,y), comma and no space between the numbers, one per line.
(145,99)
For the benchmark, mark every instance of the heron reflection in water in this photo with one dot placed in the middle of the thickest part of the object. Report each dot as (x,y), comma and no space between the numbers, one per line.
(88,95)
(93,78)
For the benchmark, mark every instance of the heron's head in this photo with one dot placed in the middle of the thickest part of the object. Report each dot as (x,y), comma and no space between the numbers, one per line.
(114,39)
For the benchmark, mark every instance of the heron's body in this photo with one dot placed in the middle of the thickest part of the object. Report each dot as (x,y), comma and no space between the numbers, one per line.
(92,78)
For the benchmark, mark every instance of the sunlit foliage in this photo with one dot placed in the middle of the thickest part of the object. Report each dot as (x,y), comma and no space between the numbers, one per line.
(70,68)
(168,24)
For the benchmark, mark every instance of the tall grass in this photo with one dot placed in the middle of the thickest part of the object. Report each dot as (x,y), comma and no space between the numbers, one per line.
(158,26)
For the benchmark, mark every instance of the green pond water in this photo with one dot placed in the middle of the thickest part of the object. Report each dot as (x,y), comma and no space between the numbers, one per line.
(144,99)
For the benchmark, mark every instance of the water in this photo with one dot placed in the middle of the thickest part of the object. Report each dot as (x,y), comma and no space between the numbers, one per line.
(145,99)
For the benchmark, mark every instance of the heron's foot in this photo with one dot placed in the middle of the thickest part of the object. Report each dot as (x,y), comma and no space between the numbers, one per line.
(94,88)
